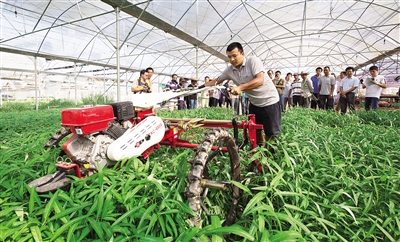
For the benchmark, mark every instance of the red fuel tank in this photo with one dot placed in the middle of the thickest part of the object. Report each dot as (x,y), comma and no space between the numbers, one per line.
(88,119)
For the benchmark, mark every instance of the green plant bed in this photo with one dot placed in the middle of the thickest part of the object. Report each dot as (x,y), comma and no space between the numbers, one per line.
(331,178)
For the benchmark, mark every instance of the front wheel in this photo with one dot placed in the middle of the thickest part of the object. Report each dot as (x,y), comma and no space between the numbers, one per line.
(197,181)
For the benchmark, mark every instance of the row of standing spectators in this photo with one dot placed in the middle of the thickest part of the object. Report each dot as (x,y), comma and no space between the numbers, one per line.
(209,98)
(324,90)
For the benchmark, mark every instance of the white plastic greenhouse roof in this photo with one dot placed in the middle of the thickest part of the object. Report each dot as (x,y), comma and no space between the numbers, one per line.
(189,38)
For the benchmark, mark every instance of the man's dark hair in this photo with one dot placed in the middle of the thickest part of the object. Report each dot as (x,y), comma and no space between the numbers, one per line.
(327,67)
(350,68)
(142,72)
(289,74)
(234,45)
(206,77)
(374,68)
(318,68)
(174,75)
(149,68)
(343,72)
(278,72)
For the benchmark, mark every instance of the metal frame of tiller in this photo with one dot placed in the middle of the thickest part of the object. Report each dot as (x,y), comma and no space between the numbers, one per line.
(176,126)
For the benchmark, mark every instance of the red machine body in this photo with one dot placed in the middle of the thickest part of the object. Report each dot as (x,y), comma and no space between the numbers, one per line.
(98,130)
(87,120)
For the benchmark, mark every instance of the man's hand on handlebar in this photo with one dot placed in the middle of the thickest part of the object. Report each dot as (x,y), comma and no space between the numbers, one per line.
(236,90)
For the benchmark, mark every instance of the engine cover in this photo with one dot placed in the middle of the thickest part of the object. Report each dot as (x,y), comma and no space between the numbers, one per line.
(89,151)
(136,140)
(87,120)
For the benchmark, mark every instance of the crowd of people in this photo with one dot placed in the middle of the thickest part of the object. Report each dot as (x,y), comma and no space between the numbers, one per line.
(322,91)
(249,91)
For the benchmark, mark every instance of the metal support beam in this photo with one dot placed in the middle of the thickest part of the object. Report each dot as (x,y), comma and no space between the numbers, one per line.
(36,85)
(118,52)
(135,11)
(378,58)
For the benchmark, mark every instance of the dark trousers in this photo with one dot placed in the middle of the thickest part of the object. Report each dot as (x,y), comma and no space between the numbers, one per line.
(314,103)
(347,101)
(187,102)
(213,102)
(371,102)
(269,117)
(181,105)
(297,101)
(245,106)
(325,102)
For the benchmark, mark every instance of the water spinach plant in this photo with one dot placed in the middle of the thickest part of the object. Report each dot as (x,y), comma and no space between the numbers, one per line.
(331,178)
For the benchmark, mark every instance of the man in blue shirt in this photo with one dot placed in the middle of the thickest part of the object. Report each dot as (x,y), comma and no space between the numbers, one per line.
(315,80)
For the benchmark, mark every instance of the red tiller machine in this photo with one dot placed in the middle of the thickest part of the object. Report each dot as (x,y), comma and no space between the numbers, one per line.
(101,135)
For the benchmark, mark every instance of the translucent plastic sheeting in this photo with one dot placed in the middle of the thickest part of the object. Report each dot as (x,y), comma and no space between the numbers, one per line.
(189,38)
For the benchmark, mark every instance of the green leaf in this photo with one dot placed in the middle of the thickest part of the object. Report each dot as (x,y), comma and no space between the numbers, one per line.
(49,207)
(125,215)
(66,226)
(234,229)
(286,236)
(37,236)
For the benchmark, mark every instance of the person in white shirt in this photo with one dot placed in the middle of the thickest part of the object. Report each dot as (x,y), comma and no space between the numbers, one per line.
(374,85)
(205,96)
(348,88)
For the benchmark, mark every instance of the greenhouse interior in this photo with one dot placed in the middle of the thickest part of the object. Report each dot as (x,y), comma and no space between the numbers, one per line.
(75,49)
(90,152)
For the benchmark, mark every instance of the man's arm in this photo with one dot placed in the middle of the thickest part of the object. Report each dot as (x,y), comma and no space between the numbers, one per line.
(256,82)
(138,89)
(332,90)
(350,90)
(383,85)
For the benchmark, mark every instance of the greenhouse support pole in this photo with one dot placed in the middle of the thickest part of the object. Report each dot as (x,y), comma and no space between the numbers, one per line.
(118,48)
(75,79)
(1,95)
(126,83)
(197,63)
(36,86)
(104,80)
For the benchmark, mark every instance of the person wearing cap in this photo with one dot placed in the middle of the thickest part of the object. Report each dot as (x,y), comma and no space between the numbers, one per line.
(306,89)
(295,91)
(348,88)
(248,74)
(193,98)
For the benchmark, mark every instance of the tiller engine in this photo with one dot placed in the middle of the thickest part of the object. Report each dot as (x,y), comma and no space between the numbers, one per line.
(101,135)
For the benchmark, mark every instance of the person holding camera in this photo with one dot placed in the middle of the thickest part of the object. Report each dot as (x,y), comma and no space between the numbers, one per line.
(140,85)
(374,85)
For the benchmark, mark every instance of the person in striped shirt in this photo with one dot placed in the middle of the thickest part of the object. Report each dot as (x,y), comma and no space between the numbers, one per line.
(295,91)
